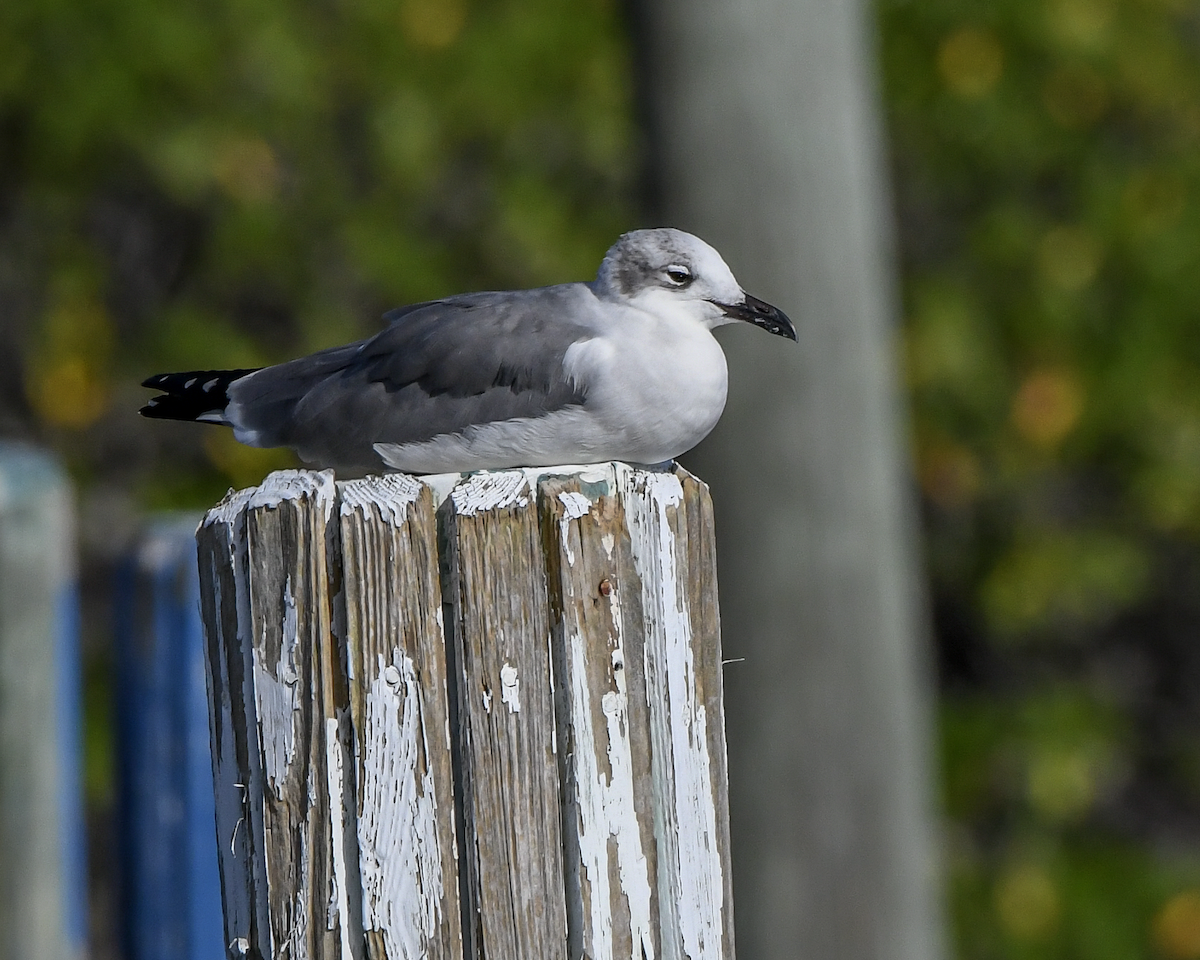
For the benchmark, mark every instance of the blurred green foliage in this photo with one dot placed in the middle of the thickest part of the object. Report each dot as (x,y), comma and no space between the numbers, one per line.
(208,183)
(1047,170)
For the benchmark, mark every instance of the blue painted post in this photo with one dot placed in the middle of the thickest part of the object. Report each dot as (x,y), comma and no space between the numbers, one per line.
(42,872)
(172,903)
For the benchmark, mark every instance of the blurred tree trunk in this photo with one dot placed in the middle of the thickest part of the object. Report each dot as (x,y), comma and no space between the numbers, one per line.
(766,141)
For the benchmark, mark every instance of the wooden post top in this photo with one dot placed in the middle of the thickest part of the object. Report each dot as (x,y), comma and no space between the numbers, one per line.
(469,715)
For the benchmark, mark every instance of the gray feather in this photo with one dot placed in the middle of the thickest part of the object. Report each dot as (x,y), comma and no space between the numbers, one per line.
(438,368)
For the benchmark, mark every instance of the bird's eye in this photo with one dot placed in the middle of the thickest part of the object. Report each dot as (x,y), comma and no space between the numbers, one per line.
(679,275)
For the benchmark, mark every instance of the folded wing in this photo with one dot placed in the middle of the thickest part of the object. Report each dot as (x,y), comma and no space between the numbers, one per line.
(438,368)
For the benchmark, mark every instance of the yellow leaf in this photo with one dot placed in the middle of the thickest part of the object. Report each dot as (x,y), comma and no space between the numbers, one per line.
(971,62)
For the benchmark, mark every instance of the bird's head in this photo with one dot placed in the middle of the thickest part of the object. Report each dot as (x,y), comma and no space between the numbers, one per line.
(667,270)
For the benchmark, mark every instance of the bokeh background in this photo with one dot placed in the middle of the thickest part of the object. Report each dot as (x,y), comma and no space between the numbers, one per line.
(229,183)
(1048,195)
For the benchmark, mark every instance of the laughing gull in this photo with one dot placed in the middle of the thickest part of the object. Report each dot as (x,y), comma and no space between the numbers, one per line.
(622,368)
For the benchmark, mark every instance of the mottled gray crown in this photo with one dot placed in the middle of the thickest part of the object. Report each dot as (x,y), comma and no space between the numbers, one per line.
(638,258)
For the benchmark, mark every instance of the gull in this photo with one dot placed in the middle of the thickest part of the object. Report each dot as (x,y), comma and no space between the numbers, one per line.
(624,367)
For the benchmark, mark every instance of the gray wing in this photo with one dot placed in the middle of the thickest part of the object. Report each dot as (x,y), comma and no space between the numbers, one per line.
(438,368)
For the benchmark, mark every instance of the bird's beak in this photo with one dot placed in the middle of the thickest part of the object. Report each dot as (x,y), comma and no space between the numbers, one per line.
(761,314)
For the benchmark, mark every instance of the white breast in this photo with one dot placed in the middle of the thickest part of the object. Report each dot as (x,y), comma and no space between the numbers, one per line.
(659,387)
(654,384)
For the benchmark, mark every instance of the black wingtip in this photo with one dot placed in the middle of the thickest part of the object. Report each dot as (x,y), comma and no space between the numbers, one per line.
(153,410)
(192,395)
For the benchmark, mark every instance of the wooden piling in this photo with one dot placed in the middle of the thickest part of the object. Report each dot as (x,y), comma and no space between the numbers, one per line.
(490,728)
(396,659)
(42,865)
(509,781)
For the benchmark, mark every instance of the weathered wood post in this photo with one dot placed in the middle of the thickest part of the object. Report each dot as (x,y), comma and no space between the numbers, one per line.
(469,717)
(42,869)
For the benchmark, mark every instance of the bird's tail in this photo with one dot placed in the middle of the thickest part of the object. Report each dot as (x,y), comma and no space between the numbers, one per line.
(197,395)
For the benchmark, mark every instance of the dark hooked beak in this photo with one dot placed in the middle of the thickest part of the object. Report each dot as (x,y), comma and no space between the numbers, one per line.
(761,314)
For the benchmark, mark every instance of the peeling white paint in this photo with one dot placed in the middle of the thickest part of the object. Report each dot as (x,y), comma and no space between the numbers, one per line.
(594,472)
(441,485)
(391,494)
(277,698)
(490,491)
(510,688)
(283,485)
(691,887)
(271,695)
(586,472)
(228,512)
(399,855)
(575,505)
(444,485)
(607,817)
(339,893)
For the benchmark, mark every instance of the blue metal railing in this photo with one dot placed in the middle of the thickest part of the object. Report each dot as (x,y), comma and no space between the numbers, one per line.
(172,894)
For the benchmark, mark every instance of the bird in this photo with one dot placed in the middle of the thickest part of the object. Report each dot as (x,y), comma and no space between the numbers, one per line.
(623,367)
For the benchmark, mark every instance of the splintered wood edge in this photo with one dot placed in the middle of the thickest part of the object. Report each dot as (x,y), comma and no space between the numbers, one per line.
(482,492)
(391,494)
(284,485)
(601,717)
(220,535)
(692,877)
(228,512)
(407,895)
(518,893)
(314,898)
